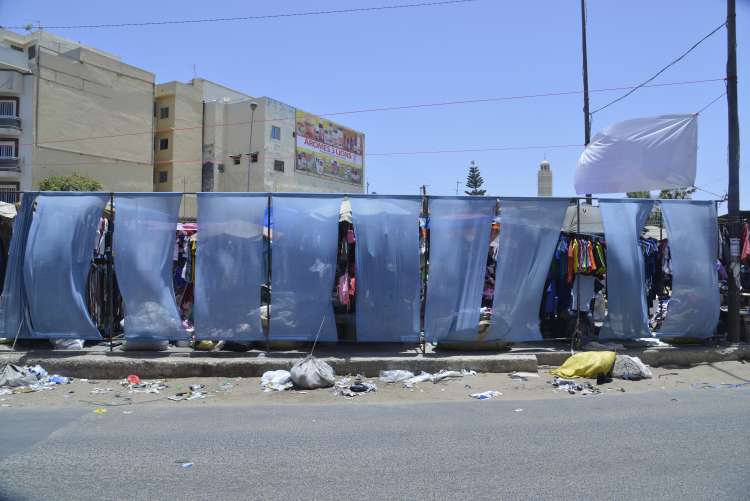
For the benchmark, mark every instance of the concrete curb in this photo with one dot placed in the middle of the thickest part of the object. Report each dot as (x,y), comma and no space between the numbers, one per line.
(115,365)
(168,366)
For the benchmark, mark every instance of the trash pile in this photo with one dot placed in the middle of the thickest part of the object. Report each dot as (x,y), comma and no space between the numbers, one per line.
(346,387)
(18,379)
(409,379)
(599,365)
(574,386)
(135,385)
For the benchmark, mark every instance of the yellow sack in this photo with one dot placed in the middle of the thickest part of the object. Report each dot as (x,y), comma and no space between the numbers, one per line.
(586,364)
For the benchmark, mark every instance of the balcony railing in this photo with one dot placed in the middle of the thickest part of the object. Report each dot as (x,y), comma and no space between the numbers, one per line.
(8,163)
(11,122)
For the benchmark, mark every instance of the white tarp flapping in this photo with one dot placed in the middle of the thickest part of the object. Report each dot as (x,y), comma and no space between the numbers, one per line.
(651,153)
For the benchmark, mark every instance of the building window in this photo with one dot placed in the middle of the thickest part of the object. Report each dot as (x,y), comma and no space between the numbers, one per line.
(236,159)
(8,108)
(254,157)
(7,149)
(16,47)
(164,143)
(32,52)
(278,165)
(163,176)
(9,193)
(164,112)
(275,132)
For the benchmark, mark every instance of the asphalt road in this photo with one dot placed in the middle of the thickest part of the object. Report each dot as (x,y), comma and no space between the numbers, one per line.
(639,446)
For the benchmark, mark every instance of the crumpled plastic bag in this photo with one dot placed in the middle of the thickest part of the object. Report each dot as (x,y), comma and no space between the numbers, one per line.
(627,367)
(13,376)
(586,364)
(310,373)
(67,344)
(276,380)
(394,376)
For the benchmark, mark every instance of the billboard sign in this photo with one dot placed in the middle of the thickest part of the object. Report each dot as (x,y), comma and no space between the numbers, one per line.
(329,150)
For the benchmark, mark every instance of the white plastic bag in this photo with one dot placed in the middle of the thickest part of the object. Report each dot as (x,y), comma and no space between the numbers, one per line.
(310,373)
(67,344)
(627,367)
(276,380)
(395,376)
(419,378)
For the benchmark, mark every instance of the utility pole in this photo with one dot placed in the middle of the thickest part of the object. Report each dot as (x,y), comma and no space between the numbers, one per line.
(367,190)
(253,106)
(586,114)
(457,184)
(733,301)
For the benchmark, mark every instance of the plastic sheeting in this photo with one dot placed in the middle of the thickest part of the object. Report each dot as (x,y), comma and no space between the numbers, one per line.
(641,154)
(58,259)
(303,251)
(13,300)
(229,266)
(627,316)
(459,243)
(529,231)
(143,246)
(693,310)
(388,282)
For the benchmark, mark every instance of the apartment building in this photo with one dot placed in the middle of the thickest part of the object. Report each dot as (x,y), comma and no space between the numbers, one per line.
(66,108)
(209,137)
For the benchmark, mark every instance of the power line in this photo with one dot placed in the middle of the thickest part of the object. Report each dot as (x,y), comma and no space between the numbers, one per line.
(474,150)
(711,103)
(383,154)
(256,18)
(665,68)
(382,109)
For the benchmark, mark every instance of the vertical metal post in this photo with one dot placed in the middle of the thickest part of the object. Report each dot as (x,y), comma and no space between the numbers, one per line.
(733,212)
(109,272)
(577,333)
(586,114)
(423,278)
(268,273)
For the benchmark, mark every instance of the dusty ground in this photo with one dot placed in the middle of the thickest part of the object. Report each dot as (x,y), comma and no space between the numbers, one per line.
(248,390)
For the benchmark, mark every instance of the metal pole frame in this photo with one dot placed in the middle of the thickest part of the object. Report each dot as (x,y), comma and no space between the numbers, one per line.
(268,274)
(423,279)
(109,273)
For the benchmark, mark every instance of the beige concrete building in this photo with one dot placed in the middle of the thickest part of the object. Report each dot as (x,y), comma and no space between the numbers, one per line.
(202,142)
(77,110)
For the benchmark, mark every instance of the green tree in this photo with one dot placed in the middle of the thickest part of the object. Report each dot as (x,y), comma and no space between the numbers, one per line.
(474,181)
(677,194)
(638,194)
(74,182)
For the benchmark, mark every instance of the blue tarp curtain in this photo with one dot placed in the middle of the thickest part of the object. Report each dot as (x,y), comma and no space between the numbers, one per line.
(13,299)
(143,246)
(693,310)
(229,266)
(58,258)
(529,231)
(387,258)
(459,243)
(303,262)
(627,315)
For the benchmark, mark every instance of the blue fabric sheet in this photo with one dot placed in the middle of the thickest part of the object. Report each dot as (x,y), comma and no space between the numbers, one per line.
(303,252)
(459,244)
(58,259)
(143,246)
(387,258)
(13,299)
(627,315)
(529,231)
(229,266)
(693,310)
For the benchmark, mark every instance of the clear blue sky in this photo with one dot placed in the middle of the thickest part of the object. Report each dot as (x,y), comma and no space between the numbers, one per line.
(487,48)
